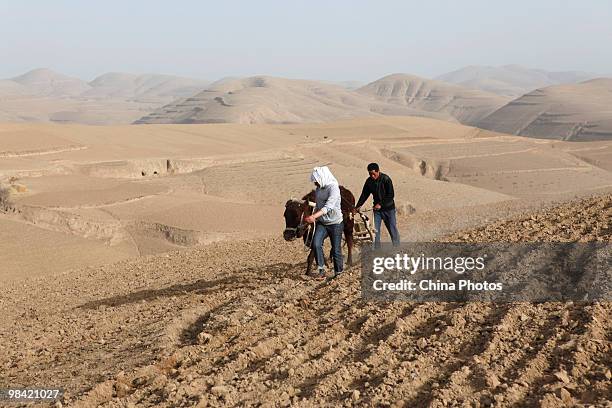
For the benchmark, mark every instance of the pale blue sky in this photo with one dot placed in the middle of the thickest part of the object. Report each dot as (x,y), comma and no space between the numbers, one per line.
(334,40)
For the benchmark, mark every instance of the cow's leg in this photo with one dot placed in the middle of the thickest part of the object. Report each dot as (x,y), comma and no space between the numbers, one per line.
(349,244)
(309,260)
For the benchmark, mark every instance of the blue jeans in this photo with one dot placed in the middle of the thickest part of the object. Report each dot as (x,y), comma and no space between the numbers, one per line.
(334,232)
(388,216)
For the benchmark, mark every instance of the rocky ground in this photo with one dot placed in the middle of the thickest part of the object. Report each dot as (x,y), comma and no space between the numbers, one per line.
(586,221)
(237,324)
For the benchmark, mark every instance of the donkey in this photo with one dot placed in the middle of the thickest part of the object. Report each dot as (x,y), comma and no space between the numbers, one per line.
(295,227)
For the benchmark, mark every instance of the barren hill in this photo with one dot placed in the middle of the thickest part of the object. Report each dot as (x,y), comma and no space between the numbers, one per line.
(94,193)
(468,106)
(263,99)
(569,112)
(511,80)
(45,82)
(9,88)
(147,87)
(42,95)
(160,277)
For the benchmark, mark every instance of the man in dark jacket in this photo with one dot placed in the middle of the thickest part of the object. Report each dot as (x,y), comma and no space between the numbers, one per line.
(381,188)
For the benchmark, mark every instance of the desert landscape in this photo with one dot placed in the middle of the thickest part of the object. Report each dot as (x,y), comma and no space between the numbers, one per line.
(87,195)
(151,154)
(43,95)
(570,112)
(511,80)
(186,222)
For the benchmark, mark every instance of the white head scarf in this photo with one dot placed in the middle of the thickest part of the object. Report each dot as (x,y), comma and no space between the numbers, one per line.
(323,176)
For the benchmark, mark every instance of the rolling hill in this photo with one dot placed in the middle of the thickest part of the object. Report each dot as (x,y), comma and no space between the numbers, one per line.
(145,87)
(264,99)
(45,82)
(569,112)
(511,80)
(10,88)
(468,106)
(42,95)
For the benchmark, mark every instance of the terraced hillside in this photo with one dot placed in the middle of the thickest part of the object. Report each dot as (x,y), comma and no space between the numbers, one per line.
(466,105)
(264,99)
(89,195)
(576,112)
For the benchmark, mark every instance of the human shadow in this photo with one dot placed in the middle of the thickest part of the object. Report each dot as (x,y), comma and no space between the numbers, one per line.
(248,278)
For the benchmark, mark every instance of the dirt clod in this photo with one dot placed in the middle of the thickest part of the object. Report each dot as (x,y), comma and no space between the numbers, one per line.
(204,327)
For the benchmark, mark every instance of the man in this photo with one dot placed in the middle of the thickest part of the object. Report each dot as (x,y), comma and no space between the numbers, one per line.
(328,218)
(381,188)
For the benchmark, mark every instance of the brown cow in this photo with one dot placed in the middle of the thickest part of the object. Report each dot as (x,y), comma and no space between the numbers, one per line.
(297,210)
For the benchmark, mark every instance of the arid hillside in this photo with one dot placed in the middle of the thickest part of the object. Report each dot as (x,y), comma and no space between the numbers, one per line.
(576,112)
(44,82)
(511,80)
(466,105)
(237,324)
(42,95)
(160,277)
(88,195)
(264,99)
(277,100)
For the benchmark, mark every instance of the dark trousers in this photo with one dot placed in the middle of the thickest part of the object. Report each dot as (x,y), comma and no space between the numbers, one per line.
(334,232)
(388,216)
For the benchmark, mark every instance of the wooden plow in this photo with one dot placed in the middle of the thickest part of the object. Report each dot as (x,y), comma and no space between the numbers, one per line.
(363,231)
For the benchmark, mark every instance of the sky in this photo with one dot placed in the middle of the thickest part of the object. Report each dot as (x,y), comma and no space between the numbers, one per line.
(330,40)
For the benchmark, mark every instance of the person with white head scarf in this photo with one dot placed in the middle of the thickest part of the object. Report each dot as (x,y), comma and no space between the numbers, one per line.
(328,218)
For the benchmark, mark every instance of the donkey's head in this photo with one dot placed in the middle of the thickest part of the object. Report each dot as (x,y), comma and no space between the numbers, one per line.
(295,211)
